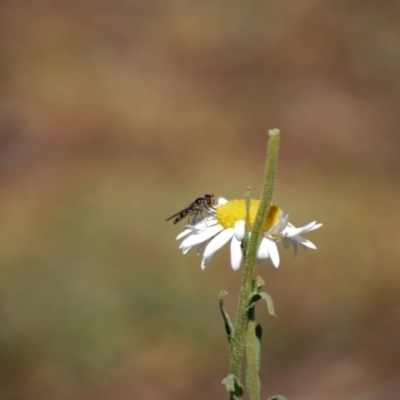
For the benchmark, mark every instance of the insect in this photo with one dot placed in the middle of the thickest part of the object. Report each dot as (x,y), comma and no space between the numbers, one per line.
(195,208)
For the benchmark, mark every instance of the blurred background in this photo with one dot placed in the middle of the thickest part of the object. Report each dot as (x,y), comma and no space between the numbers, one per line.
(115,115)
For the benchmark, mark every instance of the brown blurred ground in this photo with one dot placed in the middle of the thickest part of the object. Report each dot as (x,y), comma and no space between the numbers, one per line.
(113,115)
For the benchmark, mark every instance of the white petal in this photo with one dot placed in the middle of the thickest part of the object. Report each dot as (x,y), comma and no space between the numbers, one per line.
(307,243)
(312,226)
(203,223)
(286,242)
(186,249)
(240,230)
(290,241)
(263,250)
(215,244)
(273,253)
(236,253)
(184,233)
(200,248)
(204,263)
(291,230)
(202,236)
(280,225)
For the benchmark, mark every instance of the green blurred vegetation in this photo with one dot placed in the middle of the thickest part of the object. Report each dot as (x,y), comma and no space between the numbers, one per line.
(114,115)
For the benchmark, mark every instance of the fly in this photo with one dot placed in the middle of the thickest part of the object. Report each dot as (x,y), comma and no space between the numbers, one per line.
(195,208)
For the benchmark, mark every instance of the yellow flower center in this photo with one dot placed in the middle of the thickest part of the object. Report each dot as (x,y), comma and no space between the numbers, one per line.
(235,210)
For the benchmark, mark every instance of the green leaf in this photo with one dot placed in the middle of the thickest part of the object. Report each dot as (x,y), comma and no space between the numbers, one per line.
(225,315)
(233,386)
(254,297)
(270,304)
(258,332)
(259,283)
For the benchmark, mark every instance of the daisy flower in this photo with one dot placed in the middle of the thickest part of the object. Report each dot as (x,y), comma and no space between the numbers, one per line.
(226,221)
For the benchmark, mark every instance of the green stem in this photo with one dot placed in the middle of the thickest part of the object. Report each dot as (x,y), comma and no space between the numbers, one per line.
(252,358)
(238,341)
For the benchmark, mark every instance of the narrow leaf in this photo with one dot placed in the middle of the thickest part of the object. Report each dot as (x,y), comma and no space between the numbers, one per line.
(234,387)
(258,332)
(270,304)
(225,315)
(254,297)
(259,282)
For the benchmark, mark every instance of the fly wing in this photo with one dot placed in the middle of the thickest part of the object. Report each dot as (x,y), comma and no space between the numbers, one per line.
(177,214)
(194,208)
